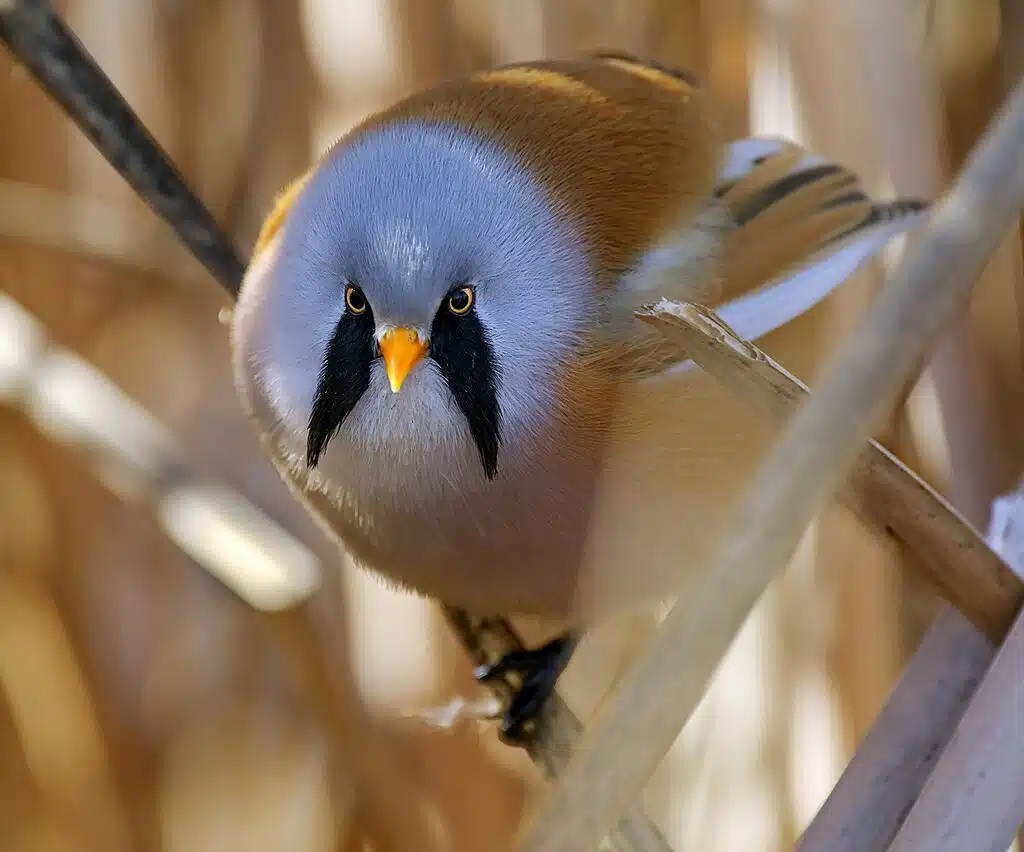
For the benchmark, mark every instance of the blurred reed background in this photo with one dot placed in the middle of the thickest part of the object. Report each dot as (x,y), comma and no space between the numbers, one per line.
(141,707)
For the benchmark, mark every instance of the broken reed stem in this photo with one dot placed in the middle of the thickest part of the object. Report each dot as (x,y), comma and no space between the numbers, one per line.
(948,552)
(641,720)
(880,785)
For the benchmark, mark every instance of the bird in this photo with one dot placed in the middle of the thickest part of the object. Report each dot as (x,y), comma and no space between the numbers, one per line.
(436,339)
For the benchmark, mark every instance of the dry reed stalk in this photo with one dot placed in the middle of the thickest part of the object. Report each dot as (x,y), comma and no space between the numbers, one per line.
(396,813)
(891,764)
(921,122)
(885,776)
(881,490)
(72,222)
(642,719)
(974,797)
(61,737)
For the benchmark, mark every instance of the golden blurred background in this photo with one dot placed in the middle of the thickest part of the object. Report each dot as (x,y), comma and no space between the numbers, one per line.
(145,707)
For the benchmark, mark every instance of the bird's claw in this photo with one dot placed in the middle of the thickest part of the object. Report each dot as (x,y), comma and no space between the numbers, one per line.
(539,669)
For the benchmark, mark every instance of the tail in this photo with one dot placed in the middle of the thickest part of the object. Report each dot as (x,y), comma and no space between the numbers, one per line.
(802,226)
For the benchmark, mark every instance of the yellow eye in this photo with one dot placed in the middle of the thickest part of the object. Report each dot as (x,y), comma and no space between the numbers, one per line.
(461,301)
(355,300)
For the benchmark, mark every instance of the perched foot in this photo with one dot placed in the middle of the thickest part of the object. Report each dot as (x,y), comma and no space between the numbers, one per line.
(539,670)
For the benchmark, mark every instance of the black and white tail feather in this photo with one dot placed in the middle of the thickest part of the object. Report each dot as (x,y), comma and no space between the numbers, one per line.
(800,227)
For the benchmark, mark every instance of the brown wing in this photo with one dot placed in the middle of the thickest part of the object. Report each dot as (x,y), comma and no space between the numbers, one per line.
(788,213)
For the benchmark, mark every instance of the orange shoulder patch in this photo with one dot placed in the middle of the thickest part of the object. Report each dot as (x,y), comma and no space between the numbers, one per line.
(279,212)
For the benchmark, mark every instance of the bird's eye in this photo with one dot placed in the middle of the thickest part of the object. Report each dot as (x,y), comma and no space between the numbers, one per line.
(461,301)
(355,300)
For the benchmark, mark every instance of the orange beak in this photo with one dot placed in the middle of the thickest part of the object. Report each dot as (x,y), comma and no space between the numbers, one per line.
(402,348)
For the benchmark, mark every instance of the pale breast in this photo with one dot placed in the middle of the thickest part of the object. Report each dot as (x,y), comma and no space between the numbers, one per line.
(508,545)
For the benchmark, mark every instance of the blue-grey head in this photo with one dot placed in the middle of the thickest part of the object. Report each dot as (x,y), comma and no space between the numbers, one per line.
(425,297)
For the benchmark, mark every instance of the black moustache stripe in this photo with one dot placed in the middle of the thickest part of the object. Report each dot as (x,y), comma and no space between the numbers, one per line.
(460,347)
(344,378)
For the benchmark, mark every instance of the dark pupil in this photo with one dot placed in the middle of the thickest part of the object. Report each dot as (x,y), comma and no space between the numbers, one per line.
(356,301)
(460,300)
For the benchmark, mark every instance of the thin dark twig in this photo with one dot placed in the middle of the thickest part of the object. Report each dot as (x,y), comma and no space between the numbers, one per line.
(37,36)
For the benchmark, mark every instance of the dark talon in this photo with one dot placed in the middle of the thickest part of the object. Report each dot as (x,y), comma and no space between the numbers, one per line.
(539,669)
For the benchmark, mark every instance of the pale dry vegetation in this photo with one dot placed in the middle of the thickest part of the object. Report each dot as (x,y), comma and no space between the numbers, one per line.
(144,707)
